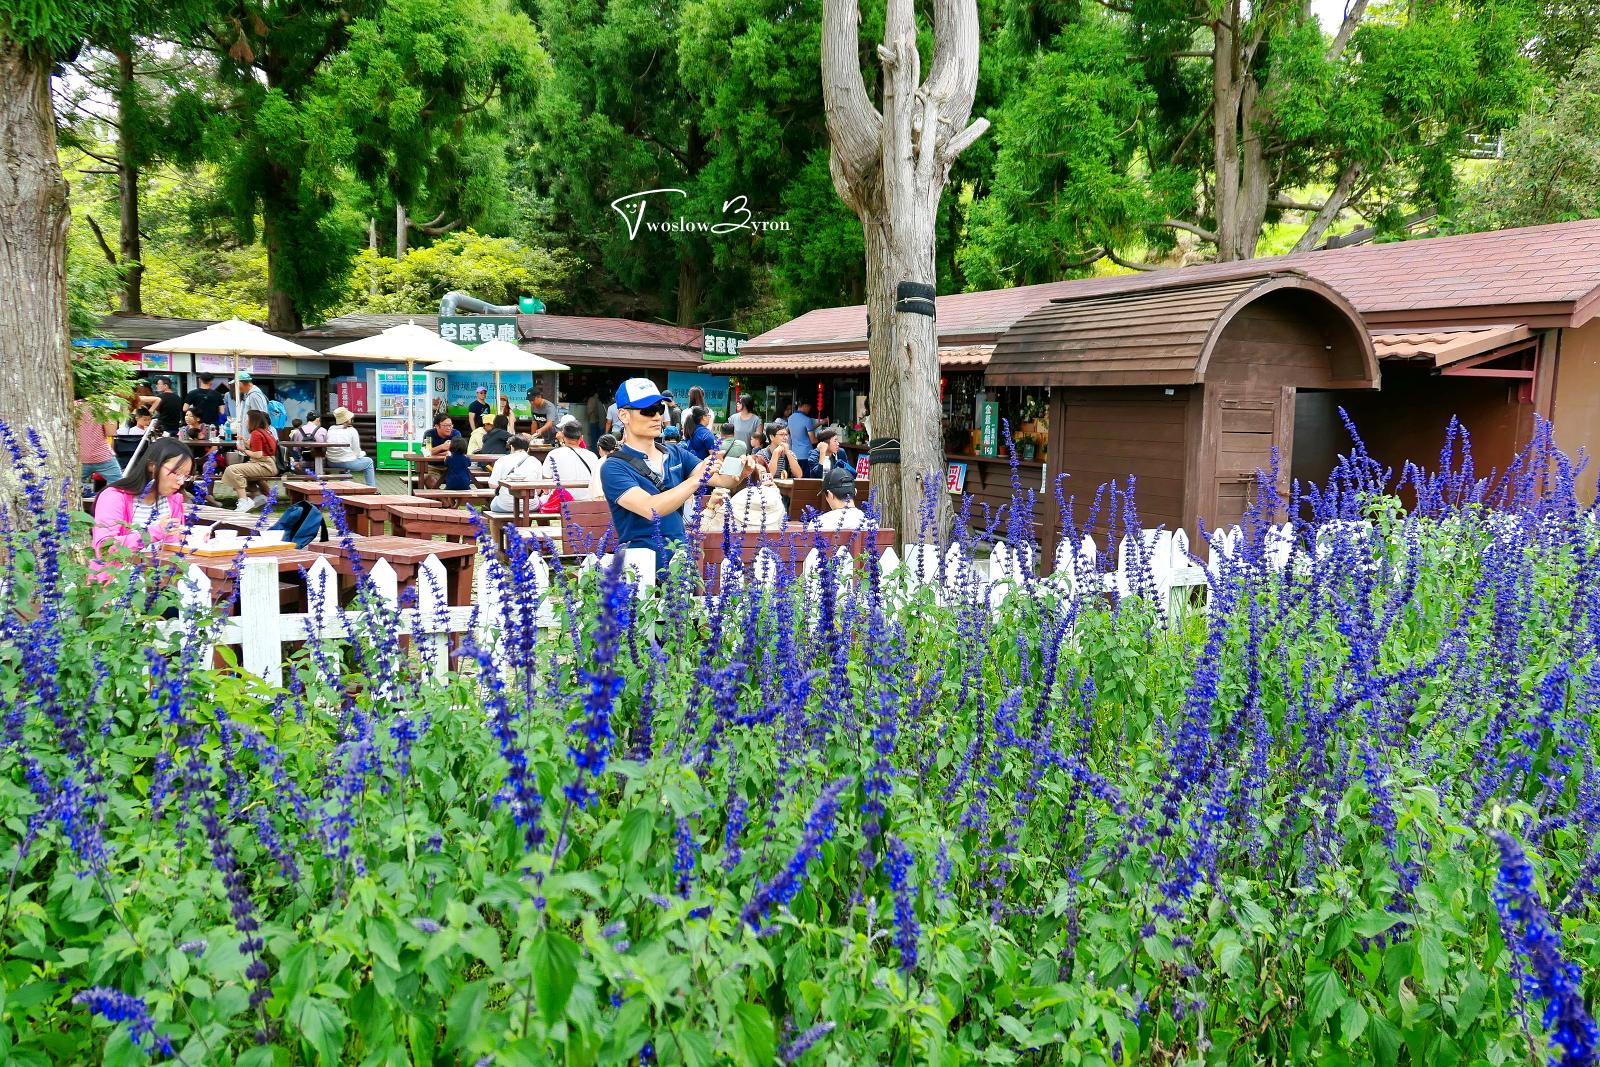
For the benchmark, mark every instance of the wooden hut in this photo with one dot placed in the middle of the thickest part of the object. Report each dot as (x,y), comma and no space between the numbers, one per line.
(1189,389)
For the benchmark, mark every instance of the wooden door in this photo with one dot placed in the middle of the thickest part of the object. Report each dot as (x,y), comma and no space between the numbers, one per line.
(1243,425)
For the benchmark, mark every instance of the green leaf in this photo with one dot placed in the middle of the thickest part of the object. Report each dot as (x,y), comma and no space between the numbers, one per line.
(637,829)
(753,1034)
(1324,995)
(554,959)
(1473,991)
(466,1008)
(321,1023)
(696,1047)
(1435,962)
(1352,1021)
(1376,922)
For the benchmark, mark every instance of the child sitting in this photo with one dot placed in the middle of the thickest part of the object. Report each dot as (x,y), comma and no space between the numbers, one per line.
(457,468)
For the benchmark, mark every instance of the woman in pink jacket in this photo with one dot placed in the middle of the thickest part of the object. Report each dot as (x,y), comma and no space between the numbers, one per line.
(145,506)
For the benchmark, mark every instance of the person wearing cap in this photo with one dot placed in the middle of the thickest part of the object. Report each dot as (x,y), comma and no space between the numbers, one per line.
(839,490)
(572,466)
(648,482)
(478,409)
(250,399)
(545,413)
(344,448)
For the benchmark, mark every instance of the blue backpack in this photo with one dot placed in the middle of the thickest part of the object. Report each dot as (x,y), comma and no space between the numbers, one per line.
(277,414)
(302,523)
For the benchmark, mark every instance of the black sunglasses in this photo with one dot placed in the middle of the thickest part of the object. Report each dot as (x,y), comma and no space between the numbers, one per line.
(652,410)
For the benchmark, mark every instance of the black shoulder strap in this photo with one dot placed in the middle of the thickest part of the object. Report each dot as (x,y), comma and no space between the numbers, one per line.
(640,466)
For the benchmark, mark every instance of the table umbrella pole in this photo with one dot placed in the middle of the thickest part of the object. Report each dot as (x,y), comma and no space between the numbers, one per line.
(411,410)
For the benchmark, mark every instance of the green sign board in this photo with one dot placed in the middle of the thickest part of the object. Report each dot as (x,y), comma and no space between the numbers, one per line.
(476,329)
(722,344)
(990,425)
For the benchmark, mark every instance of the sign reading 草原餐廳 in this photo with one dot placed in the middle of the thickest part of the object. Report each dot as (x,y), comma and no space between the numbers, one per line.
(477,329)
(722,344)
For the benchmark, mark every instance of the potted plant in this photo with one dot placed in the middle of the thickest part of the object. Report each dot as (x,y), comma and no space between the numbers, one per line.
(1027,446)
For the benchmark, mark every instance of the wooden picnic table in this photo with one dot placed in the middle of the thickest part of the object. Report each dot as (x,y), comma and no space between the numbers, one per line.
(406,555)
(452,523)
(369,511)
(209,515)
(221,569)
(316,449)
(414,461)
(296,489)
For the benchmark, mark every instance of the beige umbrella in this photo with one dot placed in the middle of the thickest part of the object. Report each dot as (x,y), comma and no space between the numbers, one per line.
(234,338)
(498,356)
(406,342)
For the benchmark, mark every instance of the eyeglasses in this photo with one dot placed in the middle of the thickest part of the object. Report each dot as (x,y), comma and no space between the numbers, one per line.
(652,411)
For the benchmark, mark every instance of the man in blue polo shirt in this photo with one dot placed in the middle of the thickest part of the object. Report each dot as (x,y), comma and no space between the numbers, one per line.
(647,481)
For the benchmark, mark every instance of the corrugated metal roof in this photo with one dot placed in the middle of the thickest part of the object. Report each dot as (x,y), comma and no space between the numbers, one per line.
(960,357)
(1444,347)
(576,340)
(1551,272)
(1153,337)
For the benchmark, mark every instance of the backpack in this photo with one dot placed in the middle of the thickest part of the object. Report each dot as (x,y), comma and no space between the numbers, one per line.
(277,414)
(302,523)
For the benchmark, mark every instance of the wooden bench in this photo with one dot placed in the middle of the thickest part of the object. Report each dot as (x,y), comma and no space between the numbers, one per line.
(297,489)
(806,493)
(790,545)
(369,515)
(454,498)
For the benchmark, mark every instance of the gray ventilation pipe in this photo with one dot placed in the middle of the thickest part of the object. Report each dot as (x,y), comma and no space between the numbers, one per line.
(456,302)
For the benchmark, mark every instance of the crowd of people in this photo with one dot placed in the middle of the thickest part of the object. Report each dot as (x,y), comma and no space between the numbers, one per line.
(642,455)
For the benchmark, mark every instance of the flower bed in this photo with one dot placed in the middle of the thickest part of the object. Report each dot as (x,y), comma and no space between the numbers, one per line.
(1344,813)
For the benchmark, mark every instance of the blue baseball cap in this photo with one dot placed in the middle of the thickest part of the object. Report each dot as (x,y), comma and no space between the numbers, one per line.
(638,393)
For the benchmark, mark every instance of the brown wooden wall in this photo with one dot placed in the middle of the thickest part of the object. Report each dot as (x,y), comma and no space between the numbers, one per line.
(1407,419)
(1573,403)
(989,482)
(1288,337)
(1104,435)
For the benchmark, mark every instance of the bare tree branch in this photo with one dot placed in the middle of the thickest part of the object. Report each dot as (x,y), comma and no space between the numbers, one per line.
(1128,263)
(1352,19)
(1330,209)
(111,257)
(432,229)
(853,123)
(1292,205)
(1189,227)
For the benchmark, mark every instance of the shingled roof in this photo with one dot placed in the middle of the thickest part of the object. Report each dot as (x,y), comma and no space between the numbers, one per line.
(1539,275)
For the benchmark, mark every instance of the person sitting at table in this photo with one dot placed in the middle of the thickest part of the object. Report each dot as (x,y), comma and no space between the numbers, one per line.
(95,454)
(344,448)
(260,461)
(125,442)
(830,454)
(497,442)
(457,468)
(436,444)
(725,431)
(475,441)
(572,466)
(545,413)
(143,507)
(521,464)
(839,490)
(701,441)
(194,428)
(606,446)
(778,457)
(310,430)
(753,508)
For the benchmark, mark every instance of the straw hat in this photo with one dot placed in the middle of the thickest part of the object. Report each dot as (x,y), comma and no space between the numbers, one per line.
(343,416)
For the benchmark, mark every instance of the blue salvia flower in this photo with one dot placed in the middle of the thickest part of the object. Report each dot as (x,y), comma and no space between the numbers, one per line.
(819,830)
(738,816)
(1547,976)
(115,1006)
(593,734)
(802,1043)
(906,928)
(685,854)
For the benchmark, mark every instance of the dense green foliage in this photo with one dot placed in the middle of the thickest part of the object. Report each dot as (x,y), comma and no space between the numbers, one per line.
(942,826)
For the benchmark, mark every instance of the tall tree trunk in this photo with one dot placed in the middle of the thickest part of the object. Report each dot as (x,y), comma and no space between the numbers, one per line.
(132,302)
(283,316)
(1225,92)
(35,374)
(691,287)
(402,231)
(892,168)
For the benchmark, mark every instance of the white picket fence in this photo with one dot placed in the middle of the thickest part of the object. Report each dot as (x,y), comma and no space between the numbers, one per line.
(1157,565)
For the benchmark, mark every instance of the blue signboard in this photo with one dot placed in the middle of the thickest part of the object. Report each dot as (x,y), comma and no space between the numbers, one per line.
(715,385)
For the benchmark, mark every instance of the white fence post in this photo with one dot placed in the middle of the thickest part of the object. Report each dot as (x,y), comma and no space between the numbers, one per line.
(262,646)
(433,618)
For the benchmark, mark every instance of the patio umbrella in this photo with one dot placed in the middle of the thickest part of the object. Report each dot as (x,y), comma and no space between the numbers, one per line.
(498,356)
(407,341)
(234,338)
